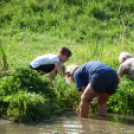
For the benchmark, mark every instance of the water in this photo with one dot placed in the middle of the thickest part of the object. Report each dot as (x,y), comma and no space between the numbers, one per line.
(72,124)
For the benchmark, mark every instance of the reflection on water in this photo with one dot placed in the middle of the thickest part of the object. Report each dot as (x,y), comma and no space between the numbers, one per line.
(72,124)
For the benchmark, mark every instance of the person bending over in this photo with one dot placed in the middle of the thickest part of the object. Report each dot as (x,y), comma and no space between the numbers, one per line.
(126,61)
(93,79)
(51,63)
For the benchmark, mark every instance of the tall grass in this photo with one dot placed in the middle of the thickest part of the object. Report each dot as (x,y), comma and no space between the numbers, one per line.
(3,58)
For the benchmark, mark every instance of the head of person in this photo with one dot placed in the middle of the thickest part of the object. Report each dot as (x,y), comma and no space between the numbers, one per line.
(69,73)
(64,54)
(124,56)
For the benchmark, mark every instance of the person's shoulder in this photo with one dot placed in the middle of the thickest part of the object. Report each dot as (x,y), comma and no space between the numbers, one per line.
(129,60)
(54,57)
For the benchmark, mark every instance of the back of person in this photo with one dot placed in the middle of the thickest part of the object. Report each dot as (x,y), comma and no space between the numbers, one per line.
(44,59)
(91,70)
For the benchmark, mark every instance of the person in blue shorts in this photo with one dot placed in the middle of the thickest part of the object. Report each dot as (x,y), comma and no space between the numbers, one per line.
(93,79)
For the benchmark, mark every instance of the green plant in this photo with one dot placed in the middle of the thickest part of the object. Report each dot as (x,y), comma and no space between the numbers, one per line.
(3,58)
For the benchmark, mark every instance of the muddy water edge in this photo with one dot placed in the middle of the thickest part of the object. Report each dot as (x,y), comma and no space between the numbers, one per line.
(72,124)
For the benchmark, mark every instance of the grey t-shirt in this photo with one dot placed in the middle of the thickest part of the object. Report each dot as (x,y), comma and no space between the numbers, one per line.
(127,67)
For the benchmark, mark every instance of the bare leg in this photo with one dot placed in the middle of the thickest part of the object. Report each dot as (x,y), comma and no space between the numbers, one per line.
(86,98)
(102,106)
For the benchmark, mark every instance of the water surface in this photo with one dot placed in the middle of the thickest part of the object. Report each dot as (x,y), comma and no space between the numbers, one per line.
(72,124)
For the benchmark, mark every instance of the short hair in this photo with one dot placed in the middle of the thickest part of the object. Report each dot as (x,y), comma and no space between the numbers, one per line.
(125,55)
(65,51)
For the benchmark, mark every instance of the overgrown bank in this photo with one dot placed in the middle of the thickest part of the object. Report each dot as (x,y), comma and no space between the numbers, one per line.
(25,97)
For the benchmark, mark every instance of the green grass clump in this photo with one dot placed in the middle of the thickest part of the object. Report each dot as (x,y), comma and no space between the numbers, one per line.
(26,97)
(122,101)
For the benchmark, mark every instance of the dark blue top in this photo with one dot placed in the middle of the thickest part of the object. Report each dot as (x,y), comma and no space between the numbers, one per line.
(86,72)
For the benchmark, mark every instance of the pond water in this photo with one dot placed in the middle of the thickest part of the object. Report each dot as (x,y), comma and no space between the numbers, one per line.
(72,124)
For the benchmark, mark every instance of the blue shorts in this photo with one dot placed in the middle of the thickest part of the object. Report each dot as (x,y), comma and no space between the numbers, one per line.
(108,82)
